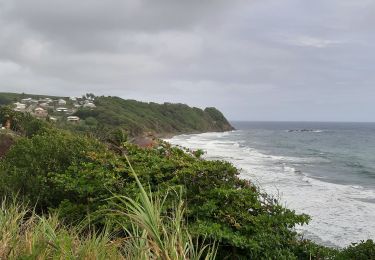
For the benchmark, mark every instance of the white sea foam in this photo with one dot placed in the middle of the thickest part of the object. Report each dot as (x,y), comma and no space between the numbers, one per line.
(341,214)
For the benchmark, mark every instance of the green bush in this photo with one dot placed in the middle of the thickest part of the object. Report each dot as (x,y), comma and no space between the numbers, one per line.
(365,250)
(32,164)
(138,117)
(22,123)
(74,174)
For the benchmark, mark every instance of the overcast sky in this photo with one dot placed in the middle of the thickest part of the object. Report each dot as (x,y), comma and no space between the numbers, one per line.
(254,60)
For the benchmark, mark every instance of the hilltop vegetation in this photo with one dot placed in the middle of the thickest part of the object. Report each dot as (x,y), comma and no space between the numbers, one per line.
(9,98)
(139,117)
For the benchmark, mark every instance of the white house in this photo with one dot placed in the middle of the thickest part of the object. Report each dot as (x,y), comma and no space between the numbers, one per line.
(61,102)
(45,100)
(61,109)
(19,106)
(45,105)
(89,105)
(25,100)
(40,112)
(73,119)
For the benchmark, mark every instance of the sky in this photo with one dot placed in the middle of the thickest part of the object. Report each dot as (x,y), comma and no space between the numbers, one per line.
(265,60)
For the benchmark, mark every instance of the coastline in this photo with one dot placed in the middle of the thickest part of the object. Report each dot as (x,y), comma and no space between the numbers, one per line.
(172,135)
(332,206)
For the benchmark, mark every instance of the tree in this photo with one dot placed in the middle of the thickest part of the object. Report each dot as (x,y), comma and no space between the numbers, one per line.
(8,117)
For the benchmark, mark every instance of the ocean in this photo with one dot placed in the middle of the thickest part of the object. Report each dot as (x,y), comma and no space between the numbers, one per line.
(326,170)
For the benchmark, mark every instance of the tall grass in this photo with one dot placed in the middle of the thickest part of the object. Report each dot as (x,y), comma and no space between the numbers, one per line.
(155,235)
(152,234)
(25,235)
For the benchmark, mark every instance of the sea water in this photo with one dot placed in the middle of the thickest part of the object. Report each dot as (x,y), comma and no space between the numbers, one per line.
(326,170)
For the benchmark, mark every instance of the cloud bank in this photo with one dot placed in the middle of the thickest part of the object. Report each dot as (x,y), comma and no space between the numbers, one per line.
(255,60)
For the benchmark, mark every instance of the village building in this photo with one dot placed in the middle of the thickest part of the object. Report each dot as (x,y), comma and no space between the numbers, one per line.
(40,112)
(19,106)
(25,100)
(73,119)
(61,109)
(44,105)
(61,102)
(45,100)
(89,105)
(29,101)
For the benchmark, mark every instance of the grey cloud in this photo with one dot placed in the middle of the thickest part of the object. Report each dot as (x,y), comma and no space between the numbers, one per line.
(260,60)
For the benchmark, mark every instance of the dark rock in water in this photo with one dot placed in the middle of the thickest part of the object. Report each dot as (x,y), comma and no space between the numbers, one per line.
(301,130)
(7,139)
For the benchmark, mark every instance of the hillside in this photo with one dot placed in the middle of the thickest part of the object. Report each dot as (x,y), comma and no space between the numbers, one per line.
(139,117)
(9,98)
(135,117)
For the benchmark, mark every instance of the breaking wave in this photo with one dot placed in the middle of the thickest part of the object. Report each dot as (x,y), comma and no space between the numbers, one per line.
(340,213)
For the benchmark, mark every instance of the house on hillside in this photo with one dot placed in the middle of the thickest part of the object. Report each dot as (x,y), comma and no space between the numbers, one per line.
(25,100)
(73,119)
(62,109)
(19,107)
(45,100)
(61,102)
(44,105)
(89,105)
(40,112)
(29,101)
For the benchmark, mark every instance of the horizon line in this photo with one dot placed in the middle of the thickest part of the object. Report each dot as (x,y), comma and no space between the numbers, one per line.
(297,121)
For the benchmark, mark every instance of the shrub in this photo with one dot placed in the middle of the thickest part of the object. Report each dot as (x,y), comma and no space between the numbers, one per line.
(364,250)
(30,166)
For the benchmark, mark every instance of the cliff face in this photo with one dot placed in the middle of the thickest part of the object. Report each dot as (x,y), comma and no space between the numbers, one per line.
(160,119)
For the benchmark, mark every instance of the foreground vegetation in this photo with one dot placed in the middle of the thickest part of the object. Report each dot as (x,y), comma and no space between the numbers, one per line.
(25,235)
(88,203)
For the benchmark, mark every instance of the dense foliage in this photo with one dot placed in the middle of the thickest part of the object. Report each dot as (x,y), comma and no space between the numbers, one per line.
(5,100)
(60,170)
(22,123)
(139,117)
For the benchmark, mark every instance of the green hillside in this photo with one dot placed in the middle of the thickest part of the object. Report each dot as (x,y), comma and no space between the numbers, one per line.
(9,98)
(135,117)
(139,117)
